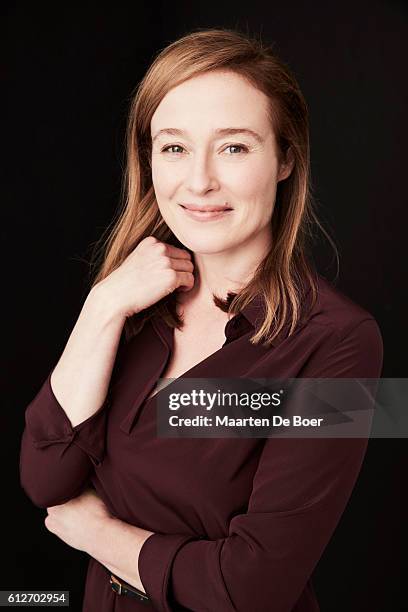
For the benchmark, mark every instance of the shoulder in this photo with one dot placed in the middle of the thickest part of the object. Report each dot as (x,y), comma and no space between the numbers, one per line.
(338,314)
(340,337)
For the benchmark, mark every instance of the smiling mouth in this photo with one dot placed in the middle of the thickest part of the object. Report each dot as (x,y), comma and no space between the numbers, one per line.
(208,208)
(201,214)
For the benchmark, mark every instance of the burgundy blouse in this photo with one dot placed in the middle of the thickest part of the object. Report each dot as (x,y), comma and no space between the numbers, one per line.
(239,524)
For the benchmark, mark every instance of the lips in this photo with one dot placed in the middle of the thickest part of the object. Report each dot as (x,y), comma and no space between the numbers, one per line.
(205,208)
(205,213)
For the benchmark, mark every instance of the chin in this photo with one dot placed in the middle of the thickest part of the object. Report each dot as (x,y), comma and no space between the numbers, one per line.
(204,243)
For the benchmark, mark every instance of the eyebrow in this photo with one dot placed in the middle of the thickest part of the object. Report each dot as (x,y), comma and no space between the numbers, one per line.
(220,132)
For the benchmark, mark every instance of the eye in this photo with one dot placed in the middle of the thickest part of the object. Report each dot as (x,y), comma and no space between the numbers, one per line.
(238,146)
(166,149)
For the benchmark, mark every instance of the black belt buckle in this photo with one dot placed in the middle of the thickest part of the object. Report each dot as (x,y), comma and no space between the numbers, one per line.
(123,588)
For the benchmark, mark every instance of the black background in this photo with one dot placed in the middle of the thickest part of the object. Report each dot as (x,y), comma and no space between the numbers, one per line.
(69,73)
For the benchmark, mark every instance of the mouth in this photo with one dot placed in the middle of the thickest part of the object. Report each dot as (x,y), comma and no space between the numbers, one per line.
(206,207)
(205,212)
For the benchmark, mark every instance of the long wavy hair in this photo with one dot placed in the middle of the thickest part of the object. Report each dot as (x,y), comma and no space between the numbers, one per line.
(286,271)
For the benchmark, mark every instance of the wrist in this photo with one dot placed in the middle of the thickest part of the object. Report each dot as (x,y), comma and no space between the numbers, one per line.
(101,303)
(99,535)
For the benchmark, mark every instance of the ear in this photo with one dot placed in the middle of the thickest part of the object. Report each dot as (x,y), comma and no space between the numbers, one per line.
(286,166)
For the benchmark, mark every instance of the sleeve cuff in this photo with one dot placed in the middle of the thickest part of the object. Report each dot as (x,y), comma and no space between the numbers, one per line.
(48,423)
(155,562)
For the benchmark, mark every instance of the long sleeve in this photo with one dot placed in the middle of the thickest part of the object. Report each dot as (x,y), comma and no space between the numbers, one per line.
(55,458)
(300,490)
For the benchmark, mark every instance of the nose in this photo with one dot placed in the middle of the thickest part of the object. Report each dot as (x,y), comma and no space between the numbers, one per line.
(201,174)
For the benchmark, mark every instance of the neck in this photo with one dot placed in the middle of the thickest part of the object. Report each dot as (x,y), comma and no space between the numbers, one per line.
(225,271)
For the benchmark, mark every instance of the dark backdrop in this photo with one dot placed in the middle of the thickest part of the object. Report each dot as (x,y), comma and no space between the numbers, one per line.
(69,73)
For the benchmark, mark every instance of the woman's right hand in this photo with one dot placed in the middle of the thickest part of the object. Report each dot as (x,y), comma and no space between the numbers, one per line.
(151,271)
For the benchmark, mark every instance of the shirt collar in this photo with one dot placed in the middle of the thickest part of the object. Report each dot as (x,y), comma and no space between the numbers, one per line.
(250,318)
(255,313)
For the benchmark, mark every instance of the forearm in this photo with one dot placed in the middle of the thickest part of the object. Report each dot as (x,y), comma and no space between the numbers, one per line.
(81,377)
(117,546)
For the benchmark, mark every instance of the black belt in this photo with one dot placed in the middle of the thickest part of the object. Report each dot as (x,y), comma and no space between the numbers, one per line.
(123,588)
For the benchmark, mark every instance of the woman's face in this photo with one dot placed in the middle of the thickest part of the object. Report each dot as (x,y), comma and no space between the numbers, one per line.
(213,147)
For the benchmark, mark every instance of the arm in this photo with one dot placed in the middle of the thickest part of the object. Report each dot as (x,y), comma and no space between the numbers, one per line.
(85,523)
(270,551)
(65,422)
(300,491)
(64,435)
(117,545)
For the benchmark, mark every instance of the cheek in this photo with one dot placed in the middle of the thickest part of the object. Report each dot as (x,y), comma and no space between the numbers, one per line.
(258,197)
(255,181)
(164,178)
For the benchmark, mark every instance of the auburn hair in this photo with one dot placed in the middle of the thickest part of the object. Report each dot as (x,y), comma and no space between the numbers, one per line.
(286,271)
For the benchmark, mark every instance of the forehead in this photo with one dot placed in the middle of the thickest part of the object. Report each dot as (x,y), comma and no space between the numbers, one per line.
(210,100)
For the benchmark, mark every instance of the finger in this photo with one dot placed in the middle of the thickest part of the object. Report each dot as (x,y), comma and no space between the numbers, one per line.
(185,279)
(182,265)
(176,253)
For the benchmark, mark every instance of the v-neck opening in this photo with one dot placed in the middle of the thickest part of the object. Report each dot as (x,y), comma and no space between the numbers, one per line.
(182,376)
(166,335)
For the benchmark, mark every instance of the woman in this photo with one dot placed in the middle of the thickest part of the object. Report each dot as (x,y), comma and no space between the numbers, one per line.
(205,273)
